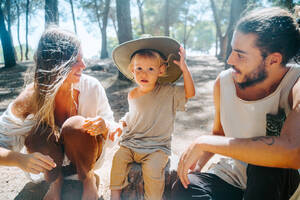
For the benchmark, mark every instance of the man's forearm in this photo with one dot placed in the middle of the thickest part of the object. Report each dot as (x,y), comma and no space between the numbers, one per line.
(263,151)
(206,156)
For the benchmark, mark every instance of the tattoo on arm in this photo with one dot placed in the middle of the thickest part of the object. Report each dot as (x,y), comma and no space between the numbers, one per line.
(265,139)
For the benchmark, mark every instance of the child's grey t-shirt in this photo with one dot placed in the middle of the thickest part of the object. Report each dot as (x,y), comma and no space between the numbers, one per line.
(150,120)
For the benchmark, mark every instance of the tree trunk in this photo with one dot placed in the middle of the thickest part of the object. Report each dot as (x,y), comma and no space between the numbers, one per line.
(124,25)
(222,39)
(18,30)
(288,4)
(166,18)
(7,5)
(51,12)
(8,11)
(187,31)
(124,21)
(216,53)
(237,8)
(7,46)
(73,16)
(104,53)
(113,19)
(141,15)
(27,22)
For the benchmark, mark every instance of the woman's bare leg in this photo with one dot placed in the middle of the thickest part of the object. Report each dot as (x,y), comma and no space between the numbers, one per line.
(115,194)
(44,142)
(54,191)
(83,150)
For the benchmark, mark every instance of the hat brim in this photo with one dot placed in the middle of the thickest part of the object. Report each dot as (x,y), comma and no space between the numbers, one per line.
(122,54)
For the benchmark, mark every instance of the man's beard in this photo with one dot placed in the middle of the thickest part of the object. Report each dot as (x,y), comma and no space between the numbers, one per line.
(256,76)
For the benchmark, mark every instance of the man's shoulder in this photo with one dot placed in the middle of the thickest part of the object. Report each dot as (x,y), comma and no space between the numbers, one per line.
(224,78)
(225,73)
(293,69)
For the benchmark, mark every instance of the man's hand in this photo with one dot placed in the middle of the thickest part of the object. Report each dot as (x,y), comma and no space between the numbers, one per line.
(36,163)
(95,126)
(188,161)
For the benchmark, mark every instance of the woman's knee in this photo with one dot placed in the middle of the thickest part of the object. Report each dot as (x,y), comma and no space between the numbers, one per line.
(73,125)
(75,139)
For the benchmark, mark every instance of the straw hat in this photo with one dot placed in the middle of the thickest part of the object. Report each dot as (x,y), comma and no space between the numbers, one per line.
(165,45)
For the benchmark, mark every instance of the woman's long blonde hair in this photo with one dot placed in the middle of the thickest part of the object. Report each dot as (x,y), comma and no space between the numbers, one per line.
(56,53)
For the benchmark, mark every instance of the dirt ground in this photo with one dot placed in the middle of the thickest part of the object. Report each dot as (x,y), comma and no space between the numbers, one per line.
(196,121)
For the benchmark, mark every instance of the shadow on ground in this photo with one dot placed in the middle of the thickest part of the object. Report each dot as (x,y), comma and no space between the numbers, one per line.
(71,190)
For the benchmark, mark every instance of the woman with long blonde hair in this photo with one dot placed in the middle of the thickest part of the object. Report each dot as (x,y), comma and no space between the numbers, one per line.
(47,117)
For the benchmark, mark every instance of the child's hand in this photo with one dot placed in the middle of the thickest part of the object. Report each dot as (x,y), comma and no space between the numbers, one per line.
(112,134)
(119,130)
(95,126)
(189,87)
(181,63)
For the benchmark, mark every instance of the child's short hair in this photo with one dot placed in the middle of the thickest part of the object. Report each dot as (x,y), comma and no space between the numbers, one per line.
(149,53)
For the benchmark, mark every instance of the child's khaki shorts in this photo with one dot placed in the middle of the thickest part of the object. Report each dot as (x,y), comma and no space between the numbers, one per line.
(153,168)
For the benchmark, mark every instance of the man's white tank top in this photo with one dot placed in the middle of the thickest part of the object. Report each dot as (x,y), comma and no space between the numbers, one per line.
(246,119)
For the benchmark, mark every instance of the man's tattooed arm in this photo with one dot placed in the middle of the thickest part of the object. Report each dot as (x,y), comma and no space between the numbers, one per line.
(268,140)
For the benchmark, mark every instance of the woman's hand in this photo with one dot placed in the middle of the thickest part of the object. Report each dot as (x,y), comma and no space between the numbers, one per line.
(36,163)
(95,126)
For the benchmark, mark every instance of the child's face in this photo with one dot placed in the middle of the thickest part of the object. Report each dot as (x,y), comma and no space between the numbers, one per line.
(146,71)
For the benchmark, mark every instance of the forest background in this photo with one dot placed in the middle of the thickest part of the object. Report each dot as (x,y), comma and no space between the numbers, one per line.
(201,26)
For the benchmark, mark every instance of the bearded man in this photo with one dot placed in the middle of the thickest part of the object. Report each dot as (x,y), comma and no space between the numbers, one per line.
(257,115)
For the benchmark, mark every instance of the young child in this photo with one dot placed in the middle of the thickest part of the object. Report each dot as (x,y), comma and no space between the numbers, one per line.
(148,125)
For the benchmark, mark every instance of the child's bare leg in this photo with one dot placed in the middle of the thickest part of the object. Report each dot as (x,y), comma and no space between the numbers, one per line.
(115,194)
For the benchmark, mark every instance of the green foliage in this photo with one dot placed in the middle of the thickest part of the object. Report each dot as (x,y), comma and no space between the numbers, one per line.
(154,15)
(17,48)
(202,37)
(34,7)
(30,52)
(223,9)
(191,21)
(283,3)
(112,42)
